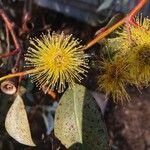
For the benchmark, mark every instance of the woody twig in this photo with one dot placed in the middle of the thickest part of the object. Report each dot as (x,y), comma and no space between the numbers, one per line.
(10,26)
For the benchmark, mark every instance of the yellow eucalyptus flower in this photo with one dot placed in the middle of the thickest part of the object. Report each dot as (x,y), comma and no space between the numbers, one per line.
(136,46)
(132,36)
(133,43)
(140,69)
(59,58)
(113,78)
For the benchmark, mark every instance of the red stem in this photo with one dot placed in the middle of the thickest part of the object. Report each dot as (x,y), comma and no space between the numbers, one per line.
(10,25)
(9,53)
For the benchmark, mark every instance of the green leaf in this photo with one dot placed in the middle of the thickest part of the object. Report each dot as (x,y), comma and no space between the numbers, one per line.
(78,121)
(17,124)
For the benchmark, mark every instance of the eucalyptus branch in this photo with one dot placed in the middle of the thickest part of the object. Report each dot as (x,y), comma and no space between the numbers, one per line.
(128,18)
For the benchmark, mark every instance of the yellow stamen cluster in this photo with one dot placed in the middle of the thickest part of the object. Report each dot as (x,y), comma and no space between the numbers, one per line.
(133,36)
(59,58)
(140,69)
(113,78)
(131,60)
(135,46)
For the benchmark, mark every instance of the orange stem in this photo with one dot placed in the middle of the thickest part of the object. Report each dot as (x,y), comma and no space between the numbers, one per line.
(137,8)
(18,74)
(128,18)
(52,94)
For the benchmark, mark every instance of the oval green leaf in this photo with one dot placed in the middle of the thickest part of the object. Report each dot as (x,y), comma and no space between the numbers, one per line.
(16,123)
(78,121)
